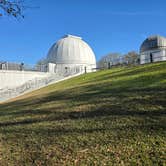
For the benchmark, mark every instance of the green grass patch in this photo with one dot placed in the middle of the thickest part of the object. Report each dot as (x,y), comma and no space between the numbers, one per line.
(111,117)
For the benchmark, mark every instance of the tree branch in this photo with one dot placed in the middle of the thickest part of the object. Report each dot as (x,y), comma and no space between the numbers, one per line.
(12,8)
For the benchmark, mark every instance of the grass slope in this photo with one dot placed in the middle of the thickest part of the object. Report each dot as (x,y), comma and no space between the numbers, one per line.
(112,117)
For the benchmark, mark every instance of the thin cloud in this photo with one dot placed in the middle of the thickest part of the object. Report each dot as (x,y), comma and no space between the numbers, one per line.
(141,13)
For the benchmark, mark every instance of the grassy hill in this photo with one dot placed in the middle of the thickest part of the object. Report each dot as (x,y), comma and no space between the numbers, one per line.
(111,117)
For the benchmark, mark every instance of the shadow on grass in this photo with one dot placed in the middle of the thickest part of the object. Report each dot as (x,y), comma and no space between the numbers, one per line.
(100,112)
(126,98)
(124,103)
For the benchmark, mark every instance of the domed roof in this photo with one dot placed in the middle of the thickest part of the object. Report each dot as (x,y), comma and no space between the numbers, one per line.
(153,42)
(71,50)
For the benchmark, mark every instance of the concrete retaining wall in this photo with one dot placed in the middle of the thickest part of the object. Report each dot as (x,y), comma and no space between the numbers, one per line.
(11,79)
(42,80)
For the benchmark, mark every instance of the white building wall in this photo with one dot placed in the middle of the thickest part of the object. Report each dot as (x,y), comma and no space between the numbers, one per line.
(143,58)
(51,67)
(164,57)
(10,79)
(158,55)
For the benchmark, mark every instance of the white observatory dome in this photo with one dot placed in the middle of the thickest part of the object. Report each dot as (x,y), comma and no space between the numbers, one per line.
(72,51)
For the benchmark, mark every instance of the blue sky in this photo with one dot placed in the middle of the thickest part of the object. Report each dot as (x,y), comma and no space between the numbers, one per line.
(107,25)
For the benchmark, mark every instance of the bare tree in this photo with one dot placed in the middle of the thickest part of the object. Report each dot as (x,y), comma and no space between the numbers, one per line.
(109,60)
(11,8)
(116,59)
(131,57)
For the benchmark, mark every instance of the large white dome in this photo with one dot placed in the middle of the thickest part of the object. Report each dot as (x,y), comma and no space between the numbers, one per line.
(71,50)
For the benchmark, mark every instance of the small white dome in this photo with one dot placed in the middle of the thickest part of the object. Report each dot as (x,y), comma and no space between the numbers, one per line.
(153,42)
(71,50)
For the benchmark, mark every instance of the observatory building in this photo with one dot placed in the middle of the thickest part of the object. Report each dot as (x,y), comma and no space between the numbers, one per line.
(71,54)
(153,49)
(67,58)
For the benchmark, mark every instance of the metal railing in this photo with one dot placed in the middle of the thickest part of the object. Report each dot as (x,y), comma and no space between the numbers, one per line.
(4,65)
(139,61)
